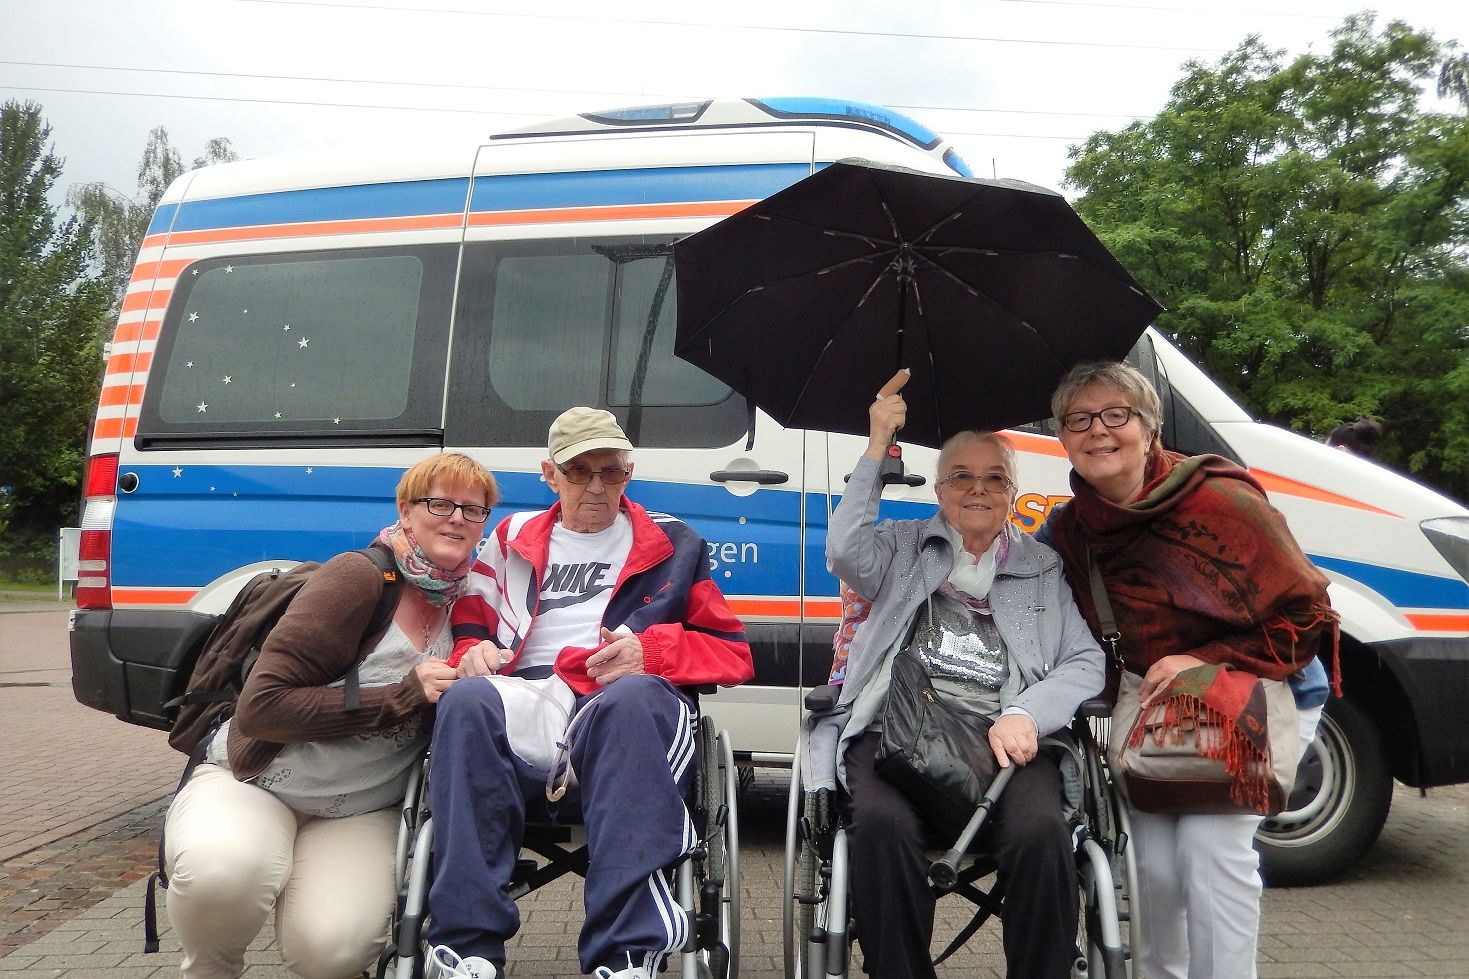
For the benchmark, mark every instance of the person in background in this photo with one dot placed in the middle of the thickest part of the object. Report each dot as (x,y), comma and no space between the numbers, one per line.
(295,808)
(1359,437)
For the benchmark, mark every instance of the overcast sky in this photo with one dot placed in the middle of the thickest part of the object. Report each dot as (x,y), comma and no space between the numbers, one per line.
(1012,82)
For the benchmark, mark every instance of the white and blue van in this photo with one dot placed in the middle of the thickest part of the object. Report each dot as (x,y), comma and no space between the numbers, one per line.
(301,329)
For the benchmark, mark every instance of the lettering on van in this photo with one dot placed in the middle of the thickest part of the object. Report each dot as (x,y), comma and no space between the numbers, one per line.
(723,554)
(1031,510)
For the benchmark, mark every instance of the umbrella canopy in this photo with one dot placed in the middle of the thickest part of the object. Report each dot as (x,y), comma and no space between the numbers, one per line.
(988,290)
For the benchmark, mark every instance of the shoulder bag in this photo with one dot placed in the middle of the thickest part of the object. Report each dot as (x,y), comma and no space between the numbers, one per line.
(933,749)
(1187,759)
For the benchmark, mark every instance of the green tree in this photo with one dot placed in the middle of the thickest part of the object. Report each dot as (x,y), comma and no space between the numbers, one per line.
(1305,223)
(52,317)
(119,222)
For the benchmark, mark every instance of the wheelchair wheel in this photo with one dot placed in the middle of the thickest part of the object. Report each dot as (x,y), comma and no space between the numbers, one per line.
(717,908)
(797,916)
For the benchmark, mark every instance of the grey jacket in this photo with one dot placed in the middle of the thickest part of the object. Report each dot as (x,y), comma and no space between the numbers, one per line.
(1055,662)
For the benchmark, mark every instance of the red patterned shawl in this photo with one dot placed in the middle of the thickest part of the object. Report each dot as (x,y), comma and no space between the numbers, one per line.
(1202,564)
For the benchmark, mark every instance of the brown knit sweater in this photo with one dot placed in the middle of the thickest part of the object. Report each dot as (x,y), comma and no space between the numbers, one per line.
(287,698)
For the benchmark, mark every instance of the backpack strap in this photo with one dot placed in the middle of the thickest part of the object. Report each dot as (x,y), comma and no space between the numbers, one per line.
(387,604)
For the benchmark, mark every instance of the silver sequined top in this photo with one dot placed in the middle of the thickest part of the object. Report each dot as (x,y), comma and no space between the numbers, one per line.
(963,652)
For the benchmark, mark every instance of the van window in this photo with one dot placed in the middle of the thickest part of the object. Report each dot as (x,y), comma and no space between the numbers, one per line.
(300,347)
(544,325)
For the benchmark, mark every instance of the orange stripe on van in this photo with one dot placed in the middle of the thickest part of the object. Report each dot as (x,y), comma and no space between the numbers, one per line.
(1291,487)
(786,608)
(127,363)
(621,212)
(137,330)
(115,428)
(425,222)
(146,299)
(1436,622)
(160,269)
(1039,444)
(116,394)
(154,596)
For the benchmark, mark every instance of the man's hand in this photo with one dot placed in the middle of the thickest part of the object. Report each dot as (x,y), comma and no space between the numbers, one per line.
(484,658)
(1161,673)
(622,656)
(435,676)
(1013,738)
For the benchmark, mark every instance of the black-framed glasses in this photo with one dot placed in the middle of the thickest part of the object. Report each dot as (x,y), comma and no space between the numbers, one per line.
(441,507)
(990,482)
(1113,417)
(579,475)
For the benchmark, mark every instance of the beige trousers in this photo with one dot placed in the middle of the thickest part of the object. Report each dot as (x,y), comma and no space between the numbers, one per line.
(233,852)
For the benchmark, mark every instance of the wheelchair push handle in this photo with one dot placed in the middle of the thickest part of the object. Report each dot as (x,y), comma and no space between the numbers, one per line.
(943,873)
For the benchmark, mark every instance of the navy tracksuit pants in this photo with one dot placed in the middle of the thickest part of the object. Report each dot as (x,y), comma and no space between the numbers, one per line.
(633,754)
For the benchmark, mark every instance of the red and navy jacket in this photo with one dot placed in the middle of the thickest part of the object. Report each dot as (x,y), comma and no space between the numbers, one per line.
(664,595)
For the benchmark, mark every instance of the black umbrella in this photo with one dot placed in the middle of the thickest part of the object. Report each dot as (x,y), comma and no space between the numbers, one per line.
(988,290)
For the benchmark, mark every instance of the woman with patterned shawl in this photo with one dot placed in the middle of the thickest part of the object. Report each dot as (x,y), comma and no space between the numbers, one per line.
(1204,580)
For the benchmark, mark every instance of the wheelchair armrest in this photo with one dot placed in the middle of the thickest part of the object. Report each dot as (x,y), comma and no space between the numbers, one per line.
(701,689)
(823,699)
(1096,707)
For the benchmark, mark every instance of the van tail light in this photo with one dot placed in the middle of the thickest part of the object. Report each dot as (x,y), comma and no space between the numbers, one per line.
(94,568)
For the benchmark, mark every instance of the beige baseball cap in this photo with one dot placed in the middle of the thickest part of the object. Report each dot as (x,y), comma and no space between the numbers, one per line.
(579,430)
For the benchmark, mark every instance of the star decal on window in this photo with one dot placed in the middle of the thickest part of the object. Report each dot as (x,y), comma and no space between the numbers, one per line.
(302,343)
(203,407)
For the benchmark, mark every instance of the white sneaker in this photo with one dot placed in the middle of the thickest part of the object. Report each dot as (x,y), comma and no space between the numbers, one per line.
(631,972)
(444,963)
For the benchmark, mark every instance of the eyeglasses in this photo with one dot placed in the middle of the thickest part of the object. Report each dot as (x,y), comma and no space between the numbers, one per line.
(1115,417)
(989,482)
(441,507)
(579,475)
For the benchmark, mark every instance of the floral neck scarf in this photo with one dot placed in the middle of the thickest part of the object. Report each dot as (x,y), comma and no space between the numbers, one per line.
(439,585)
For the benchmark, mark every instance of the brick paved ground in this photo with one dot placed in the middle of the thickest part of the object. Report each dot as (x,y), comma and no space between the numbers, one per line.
(70,907)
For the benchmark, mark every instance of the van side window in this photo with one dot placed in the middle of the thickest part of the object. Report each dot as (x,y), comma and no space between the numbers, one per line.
(541,325)
(291,347)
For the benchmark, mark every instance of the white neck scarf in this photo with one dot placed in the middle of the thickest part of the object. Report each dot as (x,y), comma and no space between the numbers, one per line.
(972,575)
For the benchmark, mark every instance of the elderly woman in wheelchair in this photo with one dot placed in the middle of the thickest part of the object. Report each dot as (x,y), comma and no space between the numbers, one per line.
(988,614)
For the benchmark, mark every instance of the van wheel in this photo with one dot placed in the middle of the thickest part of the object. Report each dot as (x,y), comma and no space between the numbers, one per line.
(1341,798)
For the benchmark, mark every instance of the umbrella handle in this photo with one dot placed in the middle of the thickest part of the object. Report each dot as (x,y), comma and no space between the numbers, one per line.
(891,470)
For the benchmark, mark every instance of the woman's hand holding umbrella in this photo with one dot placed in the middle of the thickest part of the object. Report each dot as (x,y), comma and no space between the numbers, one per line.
(886,416)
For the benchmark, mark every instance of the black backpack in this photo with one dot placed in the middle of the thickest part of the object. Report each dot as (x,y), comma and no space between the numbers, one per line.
(225,660)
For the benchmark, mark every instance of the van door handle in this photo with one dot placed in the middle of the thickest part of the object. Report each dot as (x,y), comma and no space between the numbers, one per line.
(765,477)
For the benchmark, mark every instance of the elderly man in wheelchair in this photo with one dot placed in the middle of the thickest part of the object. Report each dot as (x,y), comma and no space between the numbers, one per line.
(593,612)
(987,613)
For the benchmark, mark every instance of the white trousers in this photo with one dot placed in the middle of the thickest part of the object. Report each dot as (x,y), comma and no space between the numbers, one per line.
(1199,890)
(234,852)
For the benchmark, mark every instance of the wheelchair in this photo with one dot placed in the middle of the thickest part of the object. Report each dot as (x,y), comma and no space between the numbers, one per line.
(706,882)
(817,923)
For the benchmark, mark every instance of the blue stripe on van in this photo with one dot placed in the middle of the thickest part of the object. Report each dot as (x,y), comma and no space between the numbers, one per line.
(1405,589)
(663,185)
(529,191)
(399,199)
(161,219)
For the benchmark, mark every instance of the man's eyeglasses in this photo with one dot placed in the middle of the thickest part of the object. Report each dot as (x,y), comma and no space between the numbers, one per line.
(990,482)
(1081,421)
(579,475)
(441,507)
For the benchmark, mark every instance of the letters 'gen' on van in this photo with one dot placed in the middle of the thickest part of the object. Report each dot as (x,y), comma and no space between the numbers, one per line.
(301,329)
